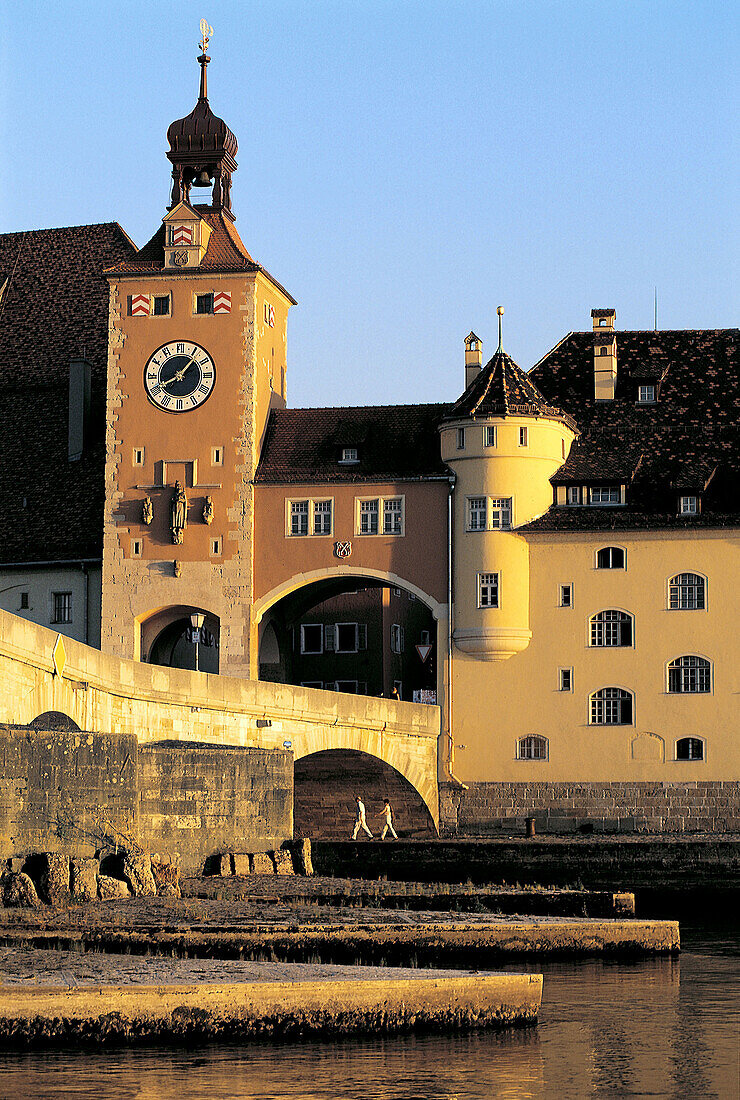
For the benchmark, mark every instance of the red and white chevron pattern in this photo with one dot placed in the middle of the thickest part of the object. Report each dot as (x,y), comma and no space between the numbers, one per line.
(140,305)
(222,301)
(182,234)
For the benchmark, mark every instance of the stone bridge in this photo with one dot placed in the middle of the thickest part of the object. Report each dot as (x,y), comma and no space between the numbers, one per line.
(104,694)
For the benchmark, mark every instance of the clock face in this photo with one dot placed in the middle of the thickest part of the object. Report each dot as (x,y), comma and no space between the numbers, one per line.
(179,376)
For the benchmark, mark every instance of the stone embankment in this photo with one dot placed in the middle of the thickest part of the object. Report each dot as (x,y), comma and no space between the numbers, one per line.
(68,998)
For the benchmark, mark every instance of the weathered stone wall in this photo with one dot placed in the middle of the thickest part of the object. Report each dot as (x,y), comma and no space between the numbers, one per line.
(486,809)
(195,800)
(56,788)
(60,792)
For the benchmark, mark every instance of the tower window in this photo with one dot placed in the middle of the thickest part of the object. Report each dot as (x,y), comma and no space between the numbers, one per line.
(161,305)
(500,513)
(565,679)
(138,456)
(524,437)
(489,435)
(136,548)
(204,303)
(566,595)
(216,547)
(461,439)
(476,513)
(488,590)
(217,456)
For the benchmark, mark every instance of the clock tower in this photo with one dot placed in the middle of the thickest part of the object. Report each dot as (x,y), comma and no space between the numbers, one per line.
(196,360)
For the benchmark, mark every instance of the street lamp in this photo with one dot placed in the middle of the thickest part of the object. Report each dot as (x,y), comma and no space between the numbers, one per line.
(196,621)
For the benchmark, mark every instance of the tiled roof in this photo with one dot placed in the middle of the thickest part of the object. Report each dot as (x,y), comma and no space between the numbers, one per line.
(226,252)
(394,442)
(689,439)
(501,388)
(54,308)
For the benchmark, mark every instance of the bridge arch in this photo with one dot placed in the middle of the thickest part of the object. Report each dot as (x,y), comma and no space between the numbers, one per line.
(347,572)
(327,782)
(163,637)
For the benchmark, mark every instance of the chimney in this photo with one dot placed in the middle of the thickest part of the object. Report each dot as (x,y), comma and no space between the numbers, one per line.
(605,354)
(473,357)
(79,407)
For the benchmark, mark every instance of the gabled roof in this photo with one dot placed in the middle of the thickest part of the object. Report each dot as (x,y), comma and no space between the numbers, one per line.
(226,252)
(688,439)
(395,442)
(54,309)
(502,388)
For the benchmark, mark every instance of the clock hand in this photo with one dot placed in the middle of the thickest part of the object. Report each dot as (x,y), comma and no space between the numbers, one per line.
(179,374)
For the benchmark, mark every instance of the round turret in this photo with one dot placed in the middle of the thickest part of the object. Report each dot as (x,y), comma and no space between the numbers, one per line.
(503,442)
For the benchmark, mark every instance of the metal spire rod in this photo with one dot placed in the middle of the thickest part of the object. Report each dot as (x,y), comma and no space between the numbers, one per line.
(500,312)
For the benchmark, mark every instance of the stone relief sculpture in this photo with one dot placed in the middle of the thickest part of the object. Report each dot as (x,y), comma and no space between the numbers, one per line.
(208,510)
(178,513)
(147,511)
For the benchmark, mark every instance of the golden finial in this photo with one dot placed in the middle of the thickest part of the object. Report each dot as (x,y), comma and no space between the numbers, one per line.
(206,34)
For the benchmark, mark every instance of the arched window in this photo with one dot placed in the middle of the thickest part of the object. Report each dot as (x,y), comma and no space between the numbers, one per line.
(689,675)
(690,748)
(686,592)
(611,628)
(611,707)
(533,748)
(610,557)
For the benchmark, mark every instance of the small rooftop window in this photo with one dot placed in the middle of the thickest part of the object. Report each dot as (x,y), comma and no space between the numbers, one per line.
(688,505)
(349,456)
(646,394)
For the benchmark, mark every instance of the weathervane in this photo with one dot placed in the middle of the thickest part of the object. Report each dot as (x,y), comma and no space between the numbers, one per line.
(206,34)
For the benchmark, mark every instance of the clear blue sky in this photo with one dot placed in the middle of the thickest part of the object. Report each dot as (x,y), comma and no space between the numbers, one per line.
(406,165)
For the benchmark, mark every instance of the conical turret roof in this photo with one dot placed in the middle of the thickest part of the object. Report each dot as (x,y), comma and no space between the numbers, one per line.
(502,388)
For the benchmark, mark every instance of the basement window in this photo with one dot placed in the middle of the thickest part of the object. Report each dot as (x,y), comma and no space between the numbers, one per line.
(532,748)
(690,748)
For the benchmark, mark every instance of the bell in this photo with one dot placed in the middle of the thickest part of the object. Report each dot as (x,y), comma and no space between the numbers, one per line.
(203,179)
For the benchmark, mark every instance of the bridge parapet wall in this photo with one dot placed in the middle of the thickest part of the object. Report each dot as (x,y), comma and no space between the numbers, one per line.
(112,695)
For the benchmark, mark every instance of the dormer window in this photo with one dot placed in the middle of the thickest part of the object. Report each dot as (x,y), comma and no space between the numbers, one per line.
(688,505)
(603,322)
(574,494)
(349,456)
(646,394)
(604,494)
(603,350)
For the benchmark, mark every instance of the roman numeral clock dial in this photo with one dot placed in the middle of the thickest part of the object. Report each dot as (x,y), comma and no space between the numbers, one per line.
(179,377)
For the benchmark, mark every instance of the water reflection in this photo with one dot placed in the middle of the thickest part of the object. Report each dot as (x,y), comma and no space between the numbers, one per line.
(661,1028)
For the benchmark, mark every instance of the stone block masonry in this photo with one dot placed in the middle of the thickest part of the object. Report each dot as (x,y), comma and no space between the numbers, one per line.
(492,809)
(64,792)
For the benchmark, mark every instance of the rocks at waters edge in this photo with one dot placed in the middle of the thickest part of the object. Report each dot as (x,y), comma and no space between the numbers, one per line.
(166,879)
(111,888)
(283,862)
(84,879)
(137,871)
(242,864)
(53,878)
(263,864)
(19,891)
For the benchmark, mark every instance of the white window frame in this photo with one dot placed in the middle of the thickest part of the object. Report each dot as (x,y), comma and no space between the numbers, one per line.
(562,597)
(312,652)
(398,638)
(474,508)
(610,549)
(310,517)
(601,706)
(392,515)
(605,626)
(138,456)
(490,435)
(66,607)
(295,531)
(501,513)
(680,585)
(565,679)
(690,759)
(693,678)
(529,741)
(523,436)
(380,516)
(349,456)
(596,494)
(573,495)
(320,511)
(689,504)
(646,394)
(489,590)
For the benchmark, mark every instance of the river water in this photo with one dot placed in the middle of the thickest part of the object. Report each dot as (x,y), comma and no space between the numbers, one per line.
(659,1028)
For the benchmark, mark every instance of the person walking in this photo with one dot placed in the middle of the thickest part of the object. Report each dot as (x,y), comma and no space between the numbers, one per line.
(360,822)
(388,815)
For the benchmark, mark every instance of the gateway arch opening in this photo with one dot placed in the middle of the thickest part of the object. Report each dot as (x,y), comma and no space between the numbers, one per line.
(352,634)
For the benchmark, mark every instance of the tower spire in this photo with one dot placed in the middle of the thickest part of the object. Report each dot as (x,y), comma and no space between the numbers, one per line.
(206,33)
(500,311)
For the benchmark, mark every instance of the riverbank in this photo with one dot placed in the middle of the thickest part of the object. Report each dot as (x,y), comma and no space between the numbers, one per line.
(57,998)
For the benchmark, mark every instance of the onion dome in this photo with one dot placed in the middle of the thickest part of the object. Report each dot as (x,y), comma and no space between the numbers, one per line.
(202,151)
